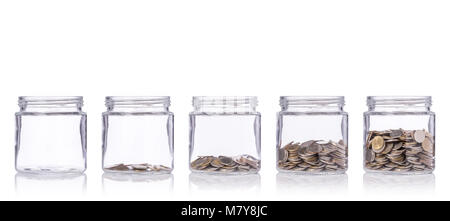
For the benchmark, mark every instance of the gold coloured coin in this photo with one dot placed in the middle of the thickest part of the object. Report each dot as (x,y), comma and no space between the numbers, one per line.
(216,163)
(120,167)
(201,162)
(377,144)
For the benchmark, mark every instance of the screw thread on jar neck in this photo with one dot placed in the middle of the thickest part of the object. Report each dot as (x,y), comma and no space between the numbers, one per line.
(393,103)
(225,104)
(138,103)
(312,103)
(50,103)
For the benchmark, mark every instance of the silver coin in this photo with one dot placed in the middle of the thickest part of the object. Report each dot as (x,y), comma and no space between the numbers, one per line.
(282,155)
(307,143)
(226,160)
(419,136)
(396,133)
(370,156)
(388,148)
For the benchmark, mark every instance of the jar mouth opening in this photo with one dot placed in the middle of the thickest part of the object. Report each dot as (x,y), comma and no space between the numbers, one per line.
(312,100)
(399,100)
(237,101)
(137,100)
(50,100)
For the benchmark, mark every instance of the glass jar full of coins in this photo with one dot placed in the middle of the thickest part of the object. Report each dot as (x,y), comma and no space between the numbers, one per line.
(225,135)
(312,135)
(399,135)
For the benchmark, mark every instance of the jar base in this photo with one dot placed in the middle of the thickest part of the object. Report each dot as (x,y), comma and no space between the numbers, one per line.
(312,173)
(406,173)
(137,177)
(137,172)
(232,173)
(54,170)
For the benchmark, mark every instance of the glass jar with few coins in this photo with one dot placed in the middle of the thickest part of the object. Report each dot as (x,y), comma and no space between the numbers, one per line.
(138,135)
(225,135)
(312,135)
(399,135)
(51,135)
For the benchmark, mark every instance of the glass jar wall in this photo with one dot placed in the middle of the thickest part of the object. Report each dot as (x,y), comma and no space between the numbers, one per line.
(138,135)
(51,135)
(399,135)
(312,135)
(225,135)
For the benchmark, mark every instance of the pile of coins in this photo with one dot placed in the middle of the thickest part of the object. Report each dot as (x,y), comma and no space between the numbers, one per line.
(243,163)
(144,167)
(313,156)
(399,150)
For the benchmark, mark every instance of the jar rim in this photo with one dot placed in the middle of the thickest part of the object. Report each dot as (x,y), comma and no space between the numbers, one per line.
(399,100)
(251,101)
(137,100)
(50,100)
(312,100)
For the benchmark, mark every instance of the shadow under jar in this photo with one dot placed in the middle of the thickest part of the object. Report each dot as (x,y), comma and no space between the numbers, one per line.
(312,135)
(51,135)
(399,135)
(138,135)
(225,135)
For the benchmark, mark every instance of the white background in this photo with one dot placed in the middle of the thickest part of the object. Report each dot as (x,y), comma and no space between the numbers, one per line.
(236,47)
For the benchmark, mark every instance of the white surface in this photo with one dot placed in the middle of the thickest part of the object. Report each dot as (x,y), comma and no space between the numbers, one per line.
(237,47)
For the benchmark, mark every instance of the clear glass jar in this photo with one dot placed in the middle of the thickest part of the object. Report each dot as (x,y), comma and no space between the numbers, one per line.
(312,135)
(225,135)
(138,135)
(51,135)
(399,135)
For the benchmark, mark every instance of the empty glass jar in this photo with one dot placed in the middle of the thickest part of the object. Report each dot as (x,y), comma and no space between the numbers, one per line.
(399,135)
(51,135)
(138,135)
(225,135)
(312,135)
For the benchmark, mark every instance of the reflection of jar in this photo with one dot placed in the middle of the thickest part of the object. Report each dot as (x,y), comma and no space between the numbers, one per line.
(225,135)
(138,135)
(51,135)
(312,135)
(399,135)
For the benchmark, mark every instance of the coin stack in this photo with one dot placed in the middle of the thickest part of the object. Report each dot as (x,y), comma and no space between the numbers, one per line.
(400,150)
(243,163)
(313,156)
(144,167)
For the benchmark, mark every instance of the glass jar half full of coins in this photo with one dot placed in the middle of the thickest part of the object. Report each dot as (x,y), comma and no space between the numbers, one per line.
(399,135)
(225,135)
(312,135)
